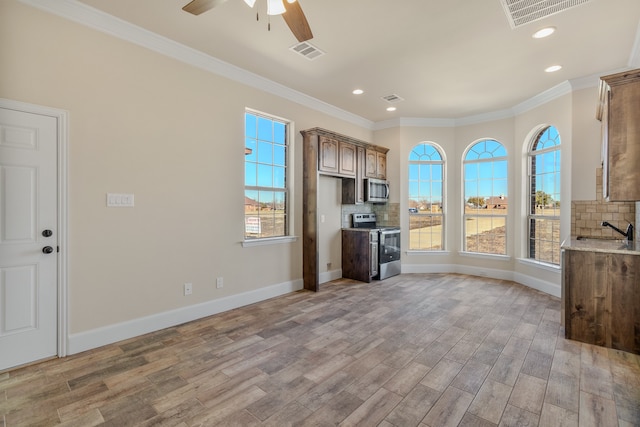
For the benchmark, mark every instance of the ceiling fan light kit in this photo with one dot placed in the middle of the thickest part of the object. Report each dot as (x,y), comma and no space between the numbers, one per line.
(275,7)
(292,15)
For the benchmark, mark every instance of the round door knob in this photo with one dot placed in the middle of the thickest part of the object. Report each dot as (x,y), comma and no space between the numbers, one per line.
(47,249)
(47,233)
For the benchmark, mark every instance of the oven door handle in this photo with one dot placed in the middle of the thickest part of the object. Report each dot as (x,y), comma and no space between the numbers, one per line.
(386,232)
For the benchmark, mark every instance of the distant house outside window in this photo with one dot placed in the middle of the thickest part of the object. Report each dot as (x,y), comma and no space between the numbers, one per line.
(543,196)
(426,189)
(265,177)
(486,202)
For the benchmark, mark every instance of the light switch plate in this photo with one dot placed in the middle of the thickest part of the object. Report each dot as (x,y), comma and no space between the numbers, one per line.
(119,200)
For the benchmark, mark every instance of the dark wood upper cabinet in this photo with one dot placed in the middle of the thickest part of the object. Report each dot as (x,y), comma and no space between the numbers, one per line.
(337,157)
(353,189)
(376,164)
(347,160)
(328,157)
(619,111)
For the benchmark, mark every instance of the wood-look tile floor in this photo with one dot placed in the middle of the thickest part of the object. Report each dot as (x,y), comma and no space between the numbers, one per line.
(413,350)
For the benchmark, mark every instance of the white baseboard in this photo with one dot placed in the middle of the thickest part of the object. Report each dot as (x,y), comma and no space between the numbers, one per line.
(121,331)
(524,279)
(328,276)
(540,285)
(429,268)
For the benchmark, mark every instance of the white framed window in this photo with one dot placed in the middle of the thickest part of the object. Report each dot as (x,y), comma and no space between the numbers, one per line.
(543,197)
(426,198)
(486,202)
(266,187)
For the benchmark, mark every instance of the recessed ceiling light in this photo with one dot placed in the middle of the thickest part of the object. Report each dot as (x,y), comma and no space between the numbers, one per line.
(391,108)
(553,68)
(357,92)
(544,32)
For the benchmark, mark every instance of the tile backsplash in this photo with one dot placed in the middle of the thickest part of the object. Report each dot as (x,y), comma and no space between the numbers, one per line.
(587,215)
(388,214)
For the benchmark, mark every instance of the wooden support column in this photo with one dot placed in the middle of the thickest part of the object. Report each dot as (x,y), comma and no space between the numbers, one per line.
(310,270)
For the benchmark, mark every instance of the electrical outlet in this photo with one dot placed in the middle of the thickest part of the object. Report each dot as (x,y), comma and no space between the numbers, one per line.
(188,289)
(219,282)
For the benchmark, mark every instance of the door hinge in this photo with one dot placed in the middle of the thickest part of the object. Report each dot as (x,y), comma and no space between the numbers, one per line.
(57,248)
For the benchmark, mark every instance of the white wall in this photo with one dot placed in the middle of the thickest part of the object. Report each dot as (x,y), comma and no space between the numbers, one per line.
(330,224)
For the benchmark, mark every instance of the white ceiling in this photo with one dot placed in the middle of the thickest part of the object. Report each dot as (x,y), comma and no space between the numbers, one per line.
(448,59)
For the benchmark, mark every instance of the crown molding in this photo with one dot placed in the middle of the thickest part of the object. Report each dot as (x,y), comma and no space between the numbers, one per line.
(485,117)
(548,95)
(414,122)
(116,27)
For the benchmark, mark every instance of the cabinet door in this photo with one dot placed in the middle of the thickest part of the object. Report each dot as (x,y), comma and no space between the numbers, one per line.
(371,164)
(585,291)
(381,165)
(624,307)
(375,165)
(347,160)
(605,147)
(328,156)
(360,160)
(623,139)
(356,255)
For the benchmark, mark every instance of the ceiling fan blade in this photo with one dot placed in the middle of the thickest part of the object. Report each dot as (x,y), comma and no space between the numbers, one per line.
(297,22)
(197,7)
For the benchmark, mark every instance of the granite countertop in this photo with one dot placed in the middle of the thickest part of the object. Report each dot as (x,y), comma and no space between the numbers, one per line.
(594,244)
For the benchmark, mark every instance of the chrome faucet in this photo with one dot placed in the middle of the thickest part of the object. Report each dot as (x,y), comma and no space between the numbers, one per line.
(628,234)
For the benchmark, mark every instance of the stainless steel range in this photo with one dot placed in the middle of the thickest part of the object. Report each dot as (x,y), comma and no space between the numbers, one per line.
(386,260)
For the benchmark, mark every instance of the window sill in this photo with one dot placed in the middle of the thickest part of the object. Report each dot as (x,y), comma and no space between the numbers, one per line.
(268,241)
(485,256)
(539,264)
(419,252)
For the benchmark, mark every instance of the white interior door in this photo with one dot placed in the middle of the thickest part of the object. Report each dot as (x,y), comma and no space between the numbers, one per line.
(28,237)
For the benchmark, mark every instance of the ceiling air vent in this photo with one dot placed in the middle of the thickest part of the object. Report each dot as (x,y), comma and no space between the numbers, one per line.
(307,50)
(393,98)
(520,12)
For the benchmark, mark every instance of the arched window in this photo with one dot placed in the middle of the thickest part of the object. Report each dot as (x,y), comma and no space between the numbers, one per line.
(486,200)
(543,216)
(426,190)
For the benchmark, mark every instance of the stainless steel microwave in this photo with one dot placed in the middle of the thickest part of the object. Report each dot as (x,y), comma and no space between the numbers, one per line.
(376,190)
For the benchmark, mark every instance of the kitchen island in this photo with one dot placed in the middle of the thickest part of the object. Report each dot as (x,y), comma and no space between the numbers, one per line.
(601,292)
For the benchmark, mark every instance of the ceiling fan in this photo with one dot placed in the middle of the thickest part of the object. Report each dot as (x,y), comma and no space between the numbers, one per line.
(292,14)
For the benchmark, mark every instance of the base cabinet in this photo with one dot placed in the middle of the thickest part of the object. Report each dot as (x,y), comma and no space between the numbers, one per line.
(602,299)
(356,255)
